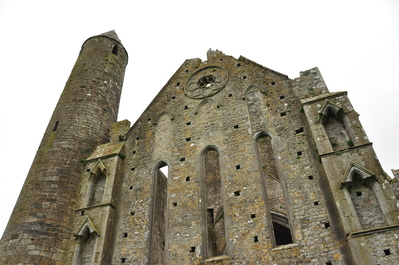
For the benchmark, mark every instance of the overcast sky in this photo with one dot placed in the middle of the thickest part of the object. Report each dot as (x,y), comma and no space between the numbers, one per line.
(355,44)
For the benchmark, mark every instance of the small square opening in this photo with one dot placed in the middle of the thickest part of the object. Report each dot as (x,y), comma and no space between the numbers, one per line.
(187,178)
(283,114)
(237,193)
(387,252)
(299,153)
(316,203)
(124,234)
(281,97)
(235,126)
(131,213)
(192,249)
(133,168)
(299,130)
(185,107)
(123,260)
(131,187)
(188,139)
(310,177)
(256,239)
(253,215)
(174,204)
(326,225)
(183,159)
(358,193)
(188,123)
(238,167)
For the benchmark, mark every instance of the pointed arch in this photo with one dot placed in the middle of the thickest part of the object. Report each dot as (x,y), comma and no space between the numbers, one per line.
(353,169)
(332,117)
(204,102)
(156,121)
(86,224)
(359,185)
(329,108)
(98,179)
(214,225)
(86,240)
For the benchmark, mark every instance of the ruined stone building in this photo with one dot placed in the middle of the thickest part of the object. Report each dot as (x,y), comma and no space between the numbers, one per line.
(231,163)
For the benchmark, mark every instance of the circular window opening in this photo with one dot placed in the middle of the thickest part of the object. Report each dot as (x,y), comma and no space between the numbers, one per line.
(206,81)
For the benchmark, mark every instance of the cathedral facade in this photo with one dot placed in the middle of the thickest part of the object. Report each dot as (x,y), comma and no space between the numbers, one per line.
(231,163)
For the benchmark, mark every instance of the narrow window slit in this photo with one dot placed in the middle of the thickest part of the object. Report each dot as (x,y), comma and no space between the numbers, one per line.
(82,213)
(187,178)
(256,239)
(55,126)
(299,130)
(115,50)
(188,123)
(235,126)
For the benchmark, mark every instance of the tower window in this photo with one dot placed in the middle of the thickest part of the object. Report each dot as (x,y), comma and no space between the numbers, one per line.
(55,126)
(115,50)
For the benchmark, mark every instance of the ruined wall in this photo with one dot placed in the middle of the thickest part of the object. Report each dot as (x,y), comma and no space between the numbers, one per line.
(232,163)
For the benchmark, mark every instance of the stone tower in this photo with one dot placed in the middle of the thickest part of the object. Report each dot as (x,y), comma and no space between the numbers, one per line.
(41,224)
(231,163)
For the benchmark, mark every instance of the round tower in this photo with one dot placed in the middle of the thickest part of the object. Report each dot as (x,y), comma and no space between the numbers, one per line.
(42,220)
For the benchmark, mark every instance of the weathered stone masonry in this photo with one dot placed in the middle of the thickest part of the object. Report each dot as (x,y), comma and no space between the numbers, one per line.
(231,163)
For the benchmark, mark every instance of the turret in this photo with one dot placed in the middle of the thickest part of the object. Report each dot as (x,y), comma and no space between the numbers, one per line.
(42,221)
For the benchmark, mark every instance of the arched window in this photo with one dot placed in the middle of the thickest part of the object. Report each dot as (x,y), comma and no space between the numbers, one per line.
(215,235)
(359,184)
(275,198)
(159,214)
(97,187)
(86,237)
(332,117)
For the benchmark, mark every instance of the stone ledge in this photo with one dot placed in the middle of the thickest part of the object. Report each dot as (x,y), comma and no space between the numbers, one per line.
(372,231)
(223,257)
(288,246)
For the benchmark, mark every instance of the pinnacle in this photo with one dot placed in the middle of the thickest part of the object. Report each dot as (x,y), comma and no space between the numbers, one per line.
(111,34)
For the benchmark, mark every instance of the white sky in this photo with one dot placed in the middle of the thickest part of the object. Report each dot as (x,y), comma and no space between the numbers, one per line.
(355,44)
